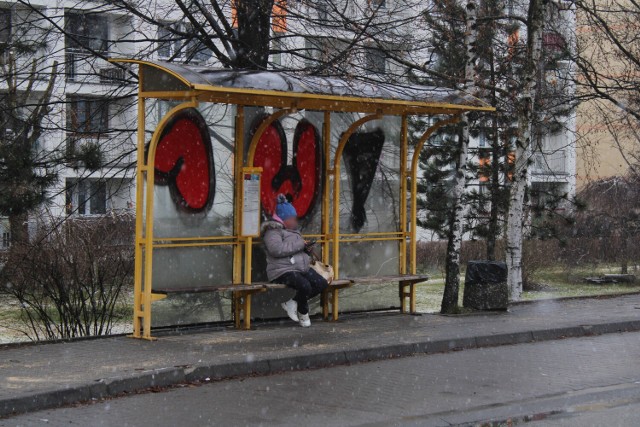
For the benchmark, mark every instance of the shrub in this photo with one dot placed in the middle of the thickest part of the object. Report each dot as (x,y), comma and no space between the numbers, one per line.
(70,277)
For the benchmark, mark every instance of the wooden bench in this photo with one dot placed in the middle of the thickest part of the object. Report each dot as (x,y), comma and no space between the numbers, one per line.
(242,294)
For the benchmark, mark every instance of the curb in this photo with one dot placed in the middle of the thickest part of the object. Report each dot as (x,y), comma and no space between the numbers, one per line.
(577,297)
(168,377)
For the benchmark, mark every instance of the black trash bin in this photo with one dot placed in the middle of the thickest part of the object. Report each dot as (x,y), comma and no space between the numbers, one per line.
(485,286)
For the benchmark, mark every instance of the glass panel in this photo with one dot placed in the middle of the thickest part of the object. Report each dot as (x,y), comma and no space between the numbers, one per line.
(188,267)
(370,174)
(300,176)
(98,198)
(364,259)
(170,218)
(192,266)
(189,309)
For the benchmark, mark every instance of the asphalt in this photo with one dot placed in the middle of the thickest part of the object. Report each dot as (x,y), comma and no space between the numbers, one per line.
(37,377)
(570,381)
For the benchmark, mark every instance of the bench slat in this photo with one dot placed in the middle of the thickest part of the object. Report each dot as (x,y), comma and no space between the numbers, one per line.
(385,279)
(238,287)
(204,289)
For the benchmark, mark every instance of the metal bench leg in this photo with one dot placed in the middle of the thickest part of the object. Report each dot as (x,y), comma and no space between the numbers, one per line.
(412,298)
(334,305)
(247,311)
(325,304)
(237,308)
(401,286)
(404,294)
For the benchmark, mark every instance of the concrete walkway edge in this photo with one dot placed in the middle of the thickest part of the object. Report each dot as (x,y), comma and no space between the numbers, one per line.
(212,372)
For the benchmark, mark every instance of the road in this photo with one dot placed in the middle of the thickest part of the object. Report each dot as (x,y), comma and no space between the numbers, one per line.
(572,382)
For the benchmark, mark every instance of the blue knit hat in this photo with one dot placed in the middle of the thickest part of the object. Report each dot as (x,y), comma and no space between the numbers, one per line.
(284,209)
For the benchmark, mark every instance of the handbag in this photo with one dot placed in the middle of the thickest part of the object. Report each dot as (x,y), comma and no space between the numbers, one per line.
(325,270)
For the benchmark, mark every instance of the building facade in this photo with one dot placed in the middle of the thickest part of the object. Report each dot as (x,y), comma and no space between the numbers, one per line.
(92,114)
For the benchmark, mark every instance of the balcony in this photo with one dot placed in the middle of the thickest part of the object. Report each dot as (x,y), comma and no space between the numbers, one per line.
(549,163)
(108,152)
(83,67)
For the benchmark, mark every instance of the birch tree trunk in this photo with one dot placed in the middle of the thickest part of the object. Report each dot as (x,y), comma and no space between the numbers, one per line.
(458,211)
(523,148)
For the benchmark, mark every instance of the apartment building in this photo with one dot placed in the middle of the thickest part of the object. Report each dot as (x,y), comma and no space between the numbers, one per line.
(607,133)
(93,115)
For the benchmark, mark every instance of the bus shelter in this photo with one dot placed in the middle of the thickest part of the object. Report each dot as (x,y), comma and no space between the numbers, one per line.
(215,147)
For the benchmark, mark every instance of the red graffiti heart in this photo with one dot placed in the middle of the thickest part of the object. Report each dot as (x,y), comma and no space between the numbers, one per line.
(184,161)
(302,179)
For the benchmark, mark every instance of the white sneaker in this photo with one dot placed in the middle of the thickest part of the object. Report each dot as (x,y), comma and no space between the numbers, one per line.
(291,307)
(305,322)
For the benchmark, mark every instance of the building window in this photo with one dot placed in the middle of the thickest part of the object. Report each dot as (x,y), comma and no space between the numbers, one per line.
(86,32)
(173,45)
(378,4)
(87,116)
(6,239)
(169,45)
(376,61)
(322,7)
(86,197)
(5,27)
(323,52)
(482,139)
(276,51)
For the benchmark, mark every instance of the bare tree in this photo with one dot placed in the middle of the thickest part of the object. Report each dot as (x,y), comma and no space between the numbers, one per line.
(457,215)
(525,110)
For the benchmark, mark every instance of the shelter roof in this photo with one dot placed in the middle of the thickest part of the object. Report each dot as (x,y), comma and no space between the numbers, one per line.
(289,90)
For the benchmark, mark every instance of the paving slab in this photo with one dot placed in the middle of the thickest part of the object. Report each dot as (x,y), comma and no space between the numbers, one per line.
(40,376)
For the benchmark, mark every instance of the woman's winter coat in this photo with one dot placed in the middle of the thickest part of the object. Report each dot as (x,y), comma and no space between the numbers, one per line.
(285,249)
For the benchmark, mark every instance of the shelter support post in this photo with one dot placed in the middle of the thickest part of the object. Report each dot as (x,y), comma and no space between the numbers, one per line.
(414,183)
(336,187)
(326,141)
(403,195)
(237,219)
(138,313)
(237,169)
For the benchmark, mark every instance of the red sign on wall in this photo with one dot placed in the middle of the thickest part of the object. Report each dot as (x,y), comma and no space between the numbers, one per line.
(184,161)
(301,180)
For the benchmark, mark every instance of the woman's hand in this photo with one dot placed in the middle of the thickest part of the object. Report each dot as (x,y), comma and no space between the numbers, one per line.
(308,245)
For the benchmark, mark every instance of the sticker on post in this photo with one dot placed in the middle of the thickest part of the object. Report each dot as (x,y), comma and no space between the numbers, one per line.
(251,204)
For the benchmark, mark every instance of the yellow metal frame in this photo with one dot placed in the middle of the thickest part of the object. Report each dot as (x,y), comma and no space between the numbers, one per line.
(403,193)
(326,140)
(330,236)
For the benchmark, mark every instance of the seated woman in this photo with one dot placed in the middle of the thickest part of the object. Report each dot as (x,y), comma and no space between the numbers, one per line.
(288,261)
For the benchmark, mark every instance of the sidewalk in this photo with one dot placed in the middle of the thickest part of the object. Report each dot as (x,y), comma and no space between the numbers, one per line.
(48,375)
